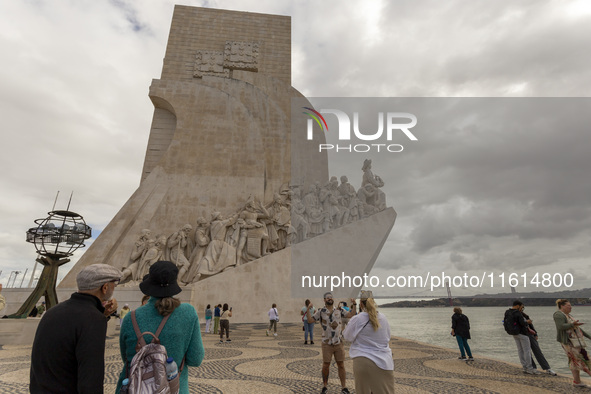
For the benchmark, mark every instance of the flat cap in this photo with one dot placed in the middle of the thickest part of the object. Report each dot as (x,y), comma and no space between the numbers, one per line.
(96,275)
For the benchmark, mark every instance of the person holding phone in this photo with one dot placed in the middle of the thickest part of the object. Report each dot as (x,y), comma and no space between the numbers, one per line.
(225,323)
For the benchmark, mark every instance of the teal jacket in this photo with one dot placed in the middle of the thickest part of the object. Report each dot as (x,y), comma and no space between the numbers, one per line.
(181,336)
(562,326)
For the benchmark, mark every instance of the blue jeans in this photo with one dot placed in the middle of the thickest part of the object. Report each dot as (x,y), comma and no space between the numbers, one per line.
(463,344)
(308,328)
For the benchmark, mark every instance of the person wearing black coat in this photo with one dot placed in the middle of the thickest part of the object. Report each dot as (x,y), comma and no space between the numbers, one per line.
(460,328)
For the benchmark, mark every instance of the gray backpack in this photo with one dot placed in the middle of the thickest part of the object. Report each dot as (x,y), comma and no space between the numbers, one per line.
(147,370)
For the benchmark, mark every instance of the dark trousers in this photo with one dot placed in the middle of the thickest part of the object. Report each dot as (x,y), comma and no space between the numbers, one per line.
(535,348)
(224,325)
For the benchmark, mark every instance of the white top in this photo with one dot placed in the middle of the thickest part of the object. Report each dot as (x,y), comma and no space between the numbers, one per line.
(225,315)
(365,342)
(273,314)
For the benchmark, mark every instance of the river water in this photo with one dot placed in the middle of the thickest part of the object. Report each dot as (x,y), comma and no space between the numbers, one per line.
(433,325)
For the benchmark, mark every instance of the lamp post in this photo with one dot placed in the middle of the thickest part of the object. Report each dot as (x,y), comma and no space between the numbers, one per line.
(55,238)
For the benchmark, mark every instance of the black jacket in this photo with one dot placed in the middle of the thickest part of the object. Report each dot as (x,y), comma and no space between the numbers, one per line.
(461,325)
(519,319)
(68,353)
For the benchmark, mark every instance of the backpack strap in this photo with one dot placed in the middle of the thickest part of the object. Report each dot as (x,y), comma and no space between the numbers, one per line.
(140,335)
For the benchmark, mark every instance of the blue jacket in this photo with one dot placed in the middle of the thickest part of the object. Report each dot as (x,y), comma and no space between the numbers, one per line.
(181,336)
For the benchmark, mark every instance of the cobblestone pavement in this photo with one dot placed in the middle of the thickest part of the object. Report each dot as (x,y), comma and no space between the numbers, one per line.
(255,363)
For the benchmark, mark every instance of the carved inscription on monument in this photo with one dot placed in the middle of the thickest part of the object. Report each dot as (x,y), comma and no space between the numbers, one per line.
(210,63)
(241,55)
(237,55)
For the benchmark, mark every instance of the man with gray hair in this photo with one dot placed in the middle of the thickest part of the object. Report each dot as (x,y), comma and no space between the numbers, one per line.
(68,354)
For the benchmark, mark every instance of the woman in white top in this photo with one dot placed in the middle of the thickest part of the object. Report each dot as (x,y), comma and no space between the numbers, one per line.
(369,334)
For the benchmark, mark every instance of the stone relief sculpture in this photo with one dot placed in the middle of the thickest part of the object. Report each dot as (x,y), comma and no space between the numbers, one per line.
(152,255)
(379,200)
(254,239)
(179,247)
(298,221)
(278,223)
(348,198)
(219,254)
(256,230)
(201,242)
(140,247)
(313,211)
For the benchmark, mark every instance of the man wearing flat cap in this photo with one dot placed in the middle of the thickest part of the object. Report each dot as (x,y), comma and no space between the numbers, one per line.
(68,354)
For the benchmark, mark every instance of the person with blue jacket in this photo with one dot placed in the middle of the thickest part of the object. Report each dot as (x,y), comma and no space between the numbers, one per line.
(181,335)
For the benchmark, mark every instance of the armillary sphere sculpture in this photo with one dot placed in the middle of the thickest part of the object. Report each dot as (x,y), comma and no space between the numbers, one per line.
(55,238)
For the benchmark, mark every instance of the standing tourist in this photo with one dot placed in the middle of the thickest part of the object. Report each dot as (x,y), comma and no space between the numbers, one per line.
(516,326)
(273,319)
(308,327)
(225,323)
(68,354)
(216,318)
(572,338)
(331,320)
(41,309)
(369,334)
(124,311)
(460,328)
(535,346)
(208,315)
(180,336)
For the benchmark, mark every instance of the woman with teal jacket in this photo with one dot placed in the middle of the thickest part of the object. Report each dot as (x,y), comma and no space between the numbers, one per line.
(180,336)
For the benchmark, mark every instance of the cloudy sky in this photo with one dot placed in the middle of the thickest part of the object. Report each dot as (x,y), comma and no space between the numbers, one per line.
(74,81)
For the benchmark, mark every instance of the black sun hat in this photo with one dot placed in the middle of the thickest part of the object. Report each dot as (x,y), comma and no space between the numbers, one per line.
(161,281)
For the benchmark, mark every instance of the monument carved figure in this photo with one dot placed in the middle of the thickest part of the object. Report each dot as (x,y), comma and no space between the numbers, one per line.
(140,247)
(348,198)
(179,247)
(379,199)
(201,242)
(254,239)
(153,254)
(278,223)
(313,211)
(219,254)
(298,220)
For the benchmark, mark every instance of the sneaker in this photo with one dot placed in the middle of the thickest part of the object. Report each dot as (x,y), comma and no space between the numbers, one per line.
(470,358)
(462,358)
(580,384)
(305,342)
(532,372)
(345,391)
(267,332)
(311,342)
(550,372)
(228,340)
(275,334)
(221,341)
(324,390)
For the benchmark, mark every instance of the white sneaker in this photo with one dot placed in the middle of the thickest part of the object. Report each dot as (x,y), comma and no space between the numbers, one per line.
(550,372)
(580,384)
(533,372)
(267,331)
(275,334)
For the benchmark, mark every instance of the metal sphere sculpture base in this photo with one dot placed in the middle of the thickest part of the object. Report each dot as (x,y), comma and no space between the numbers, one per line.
(46,286)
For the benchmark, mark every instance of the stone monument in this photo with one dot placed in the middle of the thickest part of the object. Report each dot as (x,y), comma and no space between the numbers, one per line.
(219,195)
